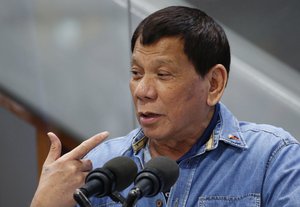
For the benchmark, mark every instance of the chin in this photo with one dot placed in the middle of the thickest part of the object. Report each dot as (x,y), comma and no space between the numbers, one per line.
(151,134)
(154,134)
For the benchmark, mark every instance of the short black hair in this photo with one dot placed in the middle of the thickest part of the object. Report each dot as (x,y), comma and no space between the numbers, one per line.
(205,42)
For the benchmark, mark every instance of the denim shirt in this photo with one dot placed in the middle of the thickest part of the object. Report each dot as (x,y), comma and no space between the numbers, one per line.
(242,164)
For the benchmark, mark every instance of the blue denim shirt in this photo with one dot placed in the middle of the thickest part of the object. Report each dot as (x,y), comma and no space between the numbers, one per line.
(242,164)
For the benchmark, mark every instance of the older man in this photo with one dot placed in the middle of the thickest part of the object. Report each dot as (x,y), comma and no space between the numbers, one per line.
(180,66)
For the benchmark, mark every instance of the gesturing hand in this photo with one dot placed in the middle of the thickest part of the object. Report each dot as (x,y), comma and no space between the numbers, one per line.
(61,175)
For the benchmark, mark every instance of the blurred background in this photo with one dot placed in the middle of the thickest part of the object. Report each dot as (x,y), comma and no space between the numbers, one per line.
(64,67)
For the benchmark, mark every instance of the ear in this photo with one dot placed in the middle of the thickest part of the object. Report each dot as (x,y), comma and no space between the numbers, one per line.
(217,77)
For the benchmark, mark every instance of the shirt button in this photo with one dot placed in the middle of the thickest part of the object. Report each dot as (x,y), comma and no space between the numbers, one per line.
(159,203)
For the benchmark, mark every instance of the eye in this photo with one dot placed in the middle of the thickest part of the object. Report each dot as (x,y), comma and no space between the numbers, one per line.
(164,75)
(136,74)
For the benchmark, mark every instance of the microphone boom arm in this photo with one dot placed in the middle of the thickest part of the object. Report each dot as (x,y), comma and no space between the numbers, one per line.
(132,197)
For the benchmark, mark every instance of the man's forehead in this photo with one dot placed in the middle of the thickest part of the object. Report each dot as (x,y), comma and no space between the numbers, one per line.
(157,61)
(165,51)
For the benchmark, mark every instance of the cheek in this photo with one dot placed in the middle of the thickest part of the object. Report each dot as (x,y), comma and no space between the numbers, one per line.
(187,100)
(132,88)
(192,93)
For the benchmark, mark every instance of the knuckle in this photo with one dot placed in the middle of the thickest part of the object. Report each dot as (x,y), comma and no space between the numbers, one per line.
(46,168)
(53,147)
(72,168)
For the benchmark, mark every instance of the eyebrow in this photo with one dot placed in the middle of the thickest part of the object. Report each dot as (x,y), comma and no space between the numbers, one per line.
(134,61)
(164,62)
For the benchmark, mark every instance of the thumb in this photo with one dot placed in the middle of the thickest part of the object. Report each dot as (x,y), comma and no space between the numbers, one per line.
(55,149)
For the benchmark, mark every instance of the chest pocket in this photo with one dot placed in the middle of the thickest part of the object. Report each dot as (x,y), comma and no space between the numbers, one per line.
(250,200)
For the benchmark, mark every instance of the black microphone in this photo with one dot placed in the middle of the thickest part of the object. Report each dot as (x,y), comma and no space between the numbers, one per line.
(159,175)
(115,175)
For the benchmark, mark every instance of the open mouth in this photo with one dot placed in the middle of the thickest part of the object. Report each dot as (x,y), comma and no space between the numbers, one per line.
(148,115)
(148,118)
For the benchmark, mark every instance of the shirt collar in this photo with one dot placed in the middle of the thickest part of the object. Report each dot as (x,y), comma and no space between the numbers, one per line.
(139,141)
(228,129)
(223,127)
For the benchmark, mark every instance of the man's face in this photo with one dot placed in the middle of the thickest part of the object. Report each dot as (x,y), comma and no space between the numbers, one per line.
(170,97)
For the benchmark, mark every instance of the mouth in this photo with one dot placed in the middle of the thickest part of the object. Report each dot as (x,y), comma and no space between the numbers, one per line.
(147,118)
(148,114)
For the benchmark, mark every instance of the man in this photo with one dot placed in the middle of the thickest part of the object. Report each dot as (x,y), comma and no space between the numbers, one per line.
(180,67)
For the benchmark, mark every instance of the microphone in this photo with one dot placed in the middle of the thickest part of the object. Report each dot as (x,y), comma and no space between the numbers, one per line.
(159,175)
(115,175)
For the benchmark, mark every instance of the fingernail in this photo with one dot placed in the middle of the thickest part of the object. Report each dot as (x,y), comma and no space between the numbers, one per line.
(49,133)
(105,133)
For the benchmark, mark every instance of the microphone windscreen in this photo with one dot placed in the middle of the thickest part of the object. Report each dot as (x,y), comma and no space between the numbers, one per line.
(166,169)
(124,170)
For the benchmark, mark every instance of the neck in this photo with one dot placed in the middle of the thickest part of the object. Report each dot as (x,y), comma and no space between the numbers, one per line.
(173,150)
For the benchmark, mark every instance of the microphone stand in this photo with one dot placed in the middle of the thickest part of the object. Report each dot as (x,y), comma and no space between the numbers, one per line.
(132,197)
(81,199)
(117,197)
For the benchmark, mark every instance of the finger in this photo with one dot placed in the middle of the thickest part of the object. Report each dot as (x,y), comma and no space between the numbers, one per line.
(86,146)
(86,165)
(55,149)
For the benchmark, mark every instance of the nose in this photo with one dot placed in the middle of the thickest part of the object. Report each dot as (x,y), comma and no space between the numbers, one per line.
(145,89)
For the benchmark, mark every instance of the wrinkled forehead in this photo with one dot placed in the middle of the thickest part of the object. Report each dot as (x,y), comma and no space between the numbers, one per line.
(165,50)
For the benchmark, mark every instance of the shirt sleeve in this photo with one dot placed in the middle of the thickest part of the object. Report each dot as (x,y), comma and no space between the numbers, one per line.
(281,186)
